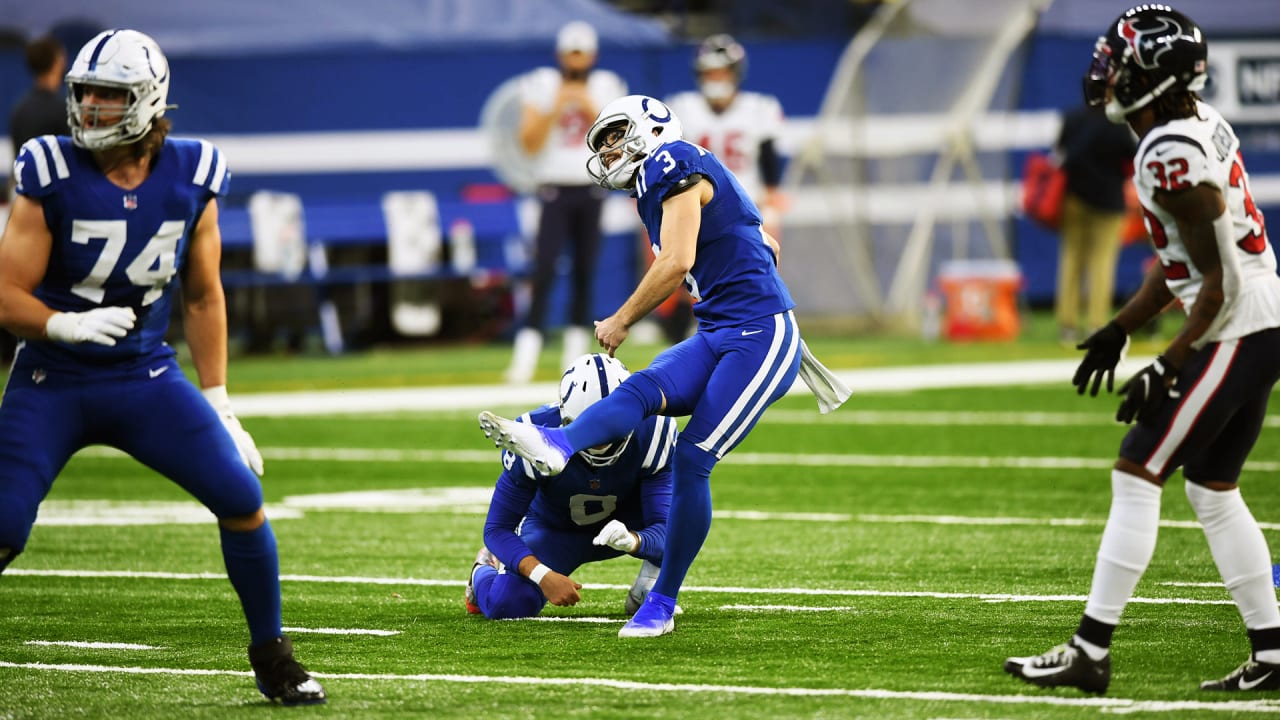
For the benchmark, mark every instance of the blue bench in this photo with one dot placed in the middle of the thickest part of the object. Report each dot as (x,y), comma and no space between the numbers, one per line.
(340,225)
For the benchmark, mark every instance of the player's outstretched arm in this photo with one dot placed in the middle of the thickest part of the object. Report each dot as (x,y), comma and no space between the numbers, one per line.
(205,323)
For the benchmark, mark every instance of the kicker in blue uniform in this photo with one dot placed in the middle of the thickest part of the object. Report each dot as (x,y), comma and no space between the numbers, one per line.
(706,232)
(609,501)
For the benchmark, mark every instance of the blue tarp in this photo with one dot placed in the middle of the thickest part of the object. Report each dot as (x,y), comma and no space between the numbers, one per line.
(229,27)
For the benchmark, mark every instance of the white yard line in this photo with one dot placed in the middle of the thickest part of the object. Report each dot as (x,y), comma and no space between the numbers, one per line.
(1106,703)
(733,590)
(92,645)
(341,631)
(363,455)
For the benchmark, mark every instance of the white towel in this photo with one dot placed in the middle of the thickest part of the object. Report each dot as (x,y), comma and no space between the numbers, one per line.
(827,388)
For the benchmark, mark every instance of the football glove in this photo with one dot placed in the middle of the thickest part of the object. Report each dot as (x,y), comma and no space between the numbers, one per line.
(1104,350)
(616,535)
(217,397)
(1145,392)
(101,326)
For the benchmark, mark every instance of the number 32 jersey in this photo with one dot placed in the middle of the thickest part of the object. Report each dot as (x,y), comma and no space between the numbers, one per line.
(115,247)
(1180,155)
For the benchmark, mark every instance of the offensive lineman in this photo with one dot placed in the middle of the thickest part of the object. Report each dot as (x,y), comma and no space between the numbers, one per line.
(102,223)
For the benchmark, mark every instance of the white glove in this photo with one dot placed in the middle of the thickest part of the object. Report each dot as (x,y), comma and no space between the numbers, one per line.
(99,325)
(616,535)
(217,397)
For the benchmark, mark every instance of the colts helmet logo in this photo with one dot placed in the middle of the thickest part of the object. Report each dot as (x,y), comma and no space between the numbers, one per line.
(1148,44)
(652,114)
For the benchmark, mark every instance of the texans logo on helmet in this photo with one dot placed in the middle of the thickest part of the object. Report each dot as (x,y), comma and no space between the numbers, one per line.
(1148,44)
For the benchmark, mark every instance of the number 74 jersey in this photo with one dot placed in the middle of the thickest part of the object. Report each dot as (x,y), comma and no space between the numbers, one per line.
(1180,155)
(117,247)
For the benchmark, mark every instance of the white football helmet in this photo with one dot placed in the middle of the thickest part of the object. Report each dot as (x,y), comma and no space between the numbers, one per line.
(625,132)
(588,379)
(125,59)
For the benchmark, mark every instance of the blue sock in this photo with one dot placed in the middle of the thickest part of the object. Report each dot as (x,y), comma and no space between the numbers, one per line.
(254,570)
(690,517)
(616,414)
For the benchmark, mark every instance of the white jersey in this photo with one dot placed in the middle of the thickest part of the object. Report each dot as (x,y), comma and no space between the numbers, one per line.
(734,135)
(563,158)
(1185,153)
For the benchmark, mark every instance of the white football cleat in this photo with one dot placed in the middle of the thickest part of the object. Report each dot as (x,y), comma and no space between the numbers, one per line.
(530,442)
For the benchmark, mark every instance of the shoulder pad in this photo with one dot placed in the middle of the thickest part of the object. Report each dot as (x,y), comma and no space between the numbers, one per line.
(1173,162)
(670,164)
(40,166)
(208,165)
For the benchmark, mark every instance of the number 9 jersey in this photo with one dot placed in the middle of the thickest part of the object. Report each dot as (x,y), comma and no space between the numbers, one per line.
(112,246)
(1204,149)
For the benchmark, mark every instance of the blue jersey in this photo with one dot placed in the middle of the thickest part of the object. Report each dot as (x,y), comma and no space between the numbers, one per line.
(734,278)
(115,247)
(635,489)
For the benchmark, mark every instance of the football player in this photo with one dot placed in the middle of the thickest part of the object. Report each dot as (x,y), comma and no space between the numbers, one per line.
(557,107)
(103,224)
(609,500)
(1201,403)
(705,231)
(743,129)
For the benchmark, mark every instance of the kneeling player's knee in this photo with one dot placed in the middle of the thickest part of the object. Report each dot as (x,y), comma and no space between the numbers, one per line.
(513,599)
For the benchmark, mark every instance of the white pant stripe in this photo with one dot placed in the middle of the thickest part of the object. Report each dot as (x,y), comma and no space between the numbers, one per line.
(1185,418)
(738,416)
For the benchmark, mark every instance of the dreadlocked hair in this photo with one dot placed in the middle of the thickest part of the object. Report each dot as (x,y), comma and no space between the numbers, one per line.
(1175,106)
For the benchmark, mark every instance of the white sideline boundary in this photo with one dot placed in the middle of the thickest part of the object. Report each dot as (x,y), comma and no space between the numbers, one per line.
(480,397)
(1124,705)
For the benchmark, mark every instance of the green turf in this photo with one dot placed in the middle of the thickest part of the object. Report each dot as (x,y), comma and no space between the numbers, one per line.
(919,613)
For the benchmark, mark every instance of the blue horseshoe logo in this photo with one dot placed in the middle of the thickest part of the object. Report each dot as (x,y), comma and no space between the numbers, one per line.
(644,105)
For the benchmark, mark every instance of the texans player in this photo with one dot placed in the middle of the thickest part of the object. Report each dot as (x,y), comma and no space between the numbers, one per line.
(1201,404)
(104,224)
(705,231)
(608,501)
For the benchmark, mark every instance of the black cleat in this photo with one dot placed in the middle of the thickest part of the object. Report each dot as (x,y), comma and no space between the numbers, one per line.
(282,678)
(1064,666)
(1252,675)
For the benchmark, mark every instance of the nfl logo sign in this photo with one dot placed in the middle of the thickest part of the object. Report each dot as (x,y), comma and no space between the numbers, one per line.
(130,202)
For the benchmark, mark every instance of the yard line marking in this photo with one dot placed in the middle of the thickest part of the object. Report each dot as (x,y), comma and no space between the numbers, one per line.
(1121,704)
(341,631)
(475,501)
(759,459)
(822,592)
(787,608)
(93,645)
(951,417)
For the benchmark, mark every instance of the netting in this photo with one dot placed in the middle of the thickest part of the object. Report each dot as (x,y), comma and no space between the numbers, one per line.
(906,166)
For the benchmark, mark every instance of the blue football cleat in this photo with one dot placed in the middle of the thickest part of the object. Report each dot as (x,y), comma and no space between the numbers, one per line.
(655,617)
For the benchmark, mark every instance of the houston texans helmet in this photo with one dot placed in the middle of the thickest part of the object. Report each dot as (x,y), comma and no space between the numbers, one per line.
(1151,50)
(625,132)
(719,52)
(127,60)
(587,380)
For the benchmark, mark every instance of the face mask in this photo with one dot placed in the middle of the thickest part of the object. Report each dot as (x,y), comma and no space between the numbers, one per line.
(717,90)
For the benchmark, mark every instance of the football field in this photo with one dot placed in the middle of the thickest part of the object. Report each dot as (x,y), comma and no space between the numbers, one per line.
(879,562)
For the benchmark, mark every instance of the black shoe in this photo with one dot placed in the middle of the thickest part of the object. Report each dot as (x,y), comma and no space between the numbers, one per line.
(1063,666)
(282,678)
(1251,675)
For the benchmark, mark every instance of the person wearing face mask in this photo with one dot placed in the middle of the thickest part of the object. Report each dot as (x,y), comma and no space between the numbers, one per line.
(558,105)
(740,127)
